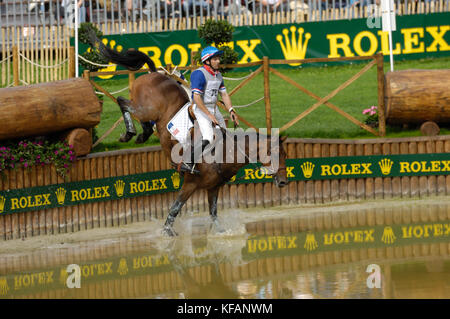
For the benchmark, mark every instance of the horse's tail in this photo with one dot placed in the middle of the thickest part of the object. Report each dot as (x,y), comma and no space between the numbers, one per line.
(132,59)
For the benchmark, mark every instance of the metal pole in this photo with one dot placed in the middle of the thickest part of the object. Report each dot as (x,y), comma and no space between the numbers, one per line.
(76,38)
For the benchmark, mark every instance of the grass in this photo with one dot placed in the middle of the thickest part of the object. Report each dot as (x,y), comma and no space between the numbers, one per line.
(287,102)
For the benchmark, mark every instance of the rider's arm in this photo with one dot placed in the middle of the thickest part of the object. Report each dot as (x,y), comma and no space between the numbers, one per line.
(227,101)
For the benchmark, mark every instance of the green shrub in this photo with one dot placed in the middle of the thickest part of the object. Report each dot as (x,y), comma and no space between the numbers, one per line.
(218,33)
(91,54)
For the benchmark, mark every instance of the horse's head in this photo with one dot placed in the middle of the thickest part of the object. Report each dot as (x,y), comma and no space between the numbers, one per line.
(277,166)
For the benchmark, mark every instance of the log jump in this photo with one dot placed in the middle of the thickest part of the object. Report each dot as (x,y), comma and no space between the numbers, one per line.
(68,107)
(418,97)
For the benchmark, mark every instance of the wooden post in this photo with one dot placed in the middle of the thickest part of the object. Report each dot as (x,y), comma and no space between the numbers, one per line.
(131,78)
(71,62)
(193,62)
(267,94)
(86,74)
(381,90)
(15,50)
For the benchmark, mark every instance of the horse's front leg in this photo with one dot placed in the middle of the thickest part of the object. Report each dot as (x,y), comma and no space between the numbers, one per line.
(186,191)
(213,194)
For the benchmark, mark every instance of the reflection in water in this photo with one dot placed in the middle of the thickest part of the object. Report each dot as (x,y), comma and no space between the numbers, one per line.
(320,255)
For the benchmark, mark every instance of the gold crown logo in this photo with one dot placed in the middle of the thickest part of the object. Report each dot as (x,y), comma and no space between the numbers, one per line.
(176,180)
(385,165)
(119,186)
(294,49)
(60,195)
(4,288)
(123,267)
(307,168)
(2,203)
(388,235)
(311,242)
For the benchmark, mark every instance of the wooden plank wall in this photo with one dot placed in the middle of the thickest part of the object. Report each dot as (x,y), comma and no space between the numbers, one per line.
(120,212)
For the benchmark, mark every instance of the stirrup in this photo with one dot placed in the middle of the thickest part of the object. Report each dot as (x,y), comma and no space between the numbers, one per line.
(183,167)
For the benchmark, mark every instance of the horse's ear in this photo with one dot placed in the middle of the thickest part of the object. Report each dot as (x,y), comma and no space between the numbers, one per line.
(283,138)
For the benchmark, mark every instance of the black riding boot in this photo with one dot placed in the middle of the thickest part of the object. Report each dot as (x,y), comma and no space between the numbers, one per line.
(148,131)
(190,167)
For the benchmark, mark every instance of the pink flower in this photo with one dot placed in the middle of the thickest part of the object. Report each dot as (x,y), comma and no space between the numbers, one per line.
(25,164)
(366,111)
(56,152)
(373,113)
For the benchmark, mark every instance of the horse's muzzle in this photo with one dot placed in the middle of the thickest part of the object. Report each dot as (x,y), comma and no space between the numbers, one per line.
(280,183)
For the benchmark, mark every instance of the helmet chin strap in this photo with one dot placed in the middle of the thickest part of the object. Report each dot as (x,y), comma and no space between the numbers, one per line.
(210,65)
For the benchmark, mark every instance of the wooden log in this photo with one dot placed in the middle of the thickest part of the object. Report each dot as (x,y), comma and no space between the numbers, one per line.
(417,96)
(360,183)
(343,183)
(301,196)
(326,184)
(47,108)
(317,184)
(351,184)
(309,186)
(387,181)
(369,187)
(80,139)
(429,128)
(334,182)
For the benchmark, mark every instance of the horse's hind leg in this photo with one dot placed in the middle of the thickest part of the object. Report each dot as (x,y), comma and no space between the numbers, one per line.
(131,130)
(213,194)
(147,132)
(186,191)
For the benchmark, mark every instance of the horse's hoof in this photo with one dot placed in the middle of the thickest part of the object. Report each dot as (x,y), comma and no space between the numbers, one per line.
(126,137)
(141,138)
(167,230)
(218,227)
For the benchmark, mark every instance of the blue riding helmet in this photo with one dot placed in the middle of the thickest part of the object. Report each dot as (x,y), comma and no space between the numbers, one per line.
(210,52)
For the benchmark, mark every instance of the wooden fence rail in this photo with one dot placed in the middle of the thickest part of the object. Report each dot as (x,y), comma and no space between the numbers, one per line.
(125,211)
(266,70)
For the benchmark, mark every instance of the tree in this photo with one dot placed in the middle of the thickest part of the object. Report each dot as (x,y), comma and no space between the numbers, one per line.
(218,33)
(91,54)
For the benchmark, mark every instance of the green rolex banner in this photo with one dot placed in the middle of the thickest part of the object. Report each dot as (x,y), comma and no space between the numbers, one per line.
(75,193)
(417,36)
(305,169)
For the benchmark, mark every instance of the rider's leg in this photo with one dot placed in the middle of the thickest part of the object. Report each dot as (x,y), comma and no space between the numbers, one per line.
(131,130)
(147,132)
(207,132)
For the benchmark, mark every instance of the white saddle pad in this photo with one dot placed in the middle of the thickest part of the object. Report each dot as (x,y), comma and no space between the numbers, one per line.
(180,124)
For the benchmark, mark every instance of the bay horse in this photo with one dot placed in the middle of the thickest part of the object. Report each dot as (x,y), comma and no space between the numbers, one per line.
(156,97)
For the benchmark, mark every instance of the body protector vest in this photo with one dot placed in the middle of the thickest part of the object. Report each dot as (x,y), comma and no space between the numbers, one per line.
(211,89)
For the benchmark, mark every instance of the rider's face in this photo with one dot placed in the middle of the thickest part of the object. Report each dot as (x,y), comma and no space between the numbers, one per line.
(215,61)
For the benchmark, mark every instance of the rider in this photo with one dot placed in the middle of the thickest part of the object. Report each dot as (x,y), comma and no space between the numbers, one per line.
(206,83)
